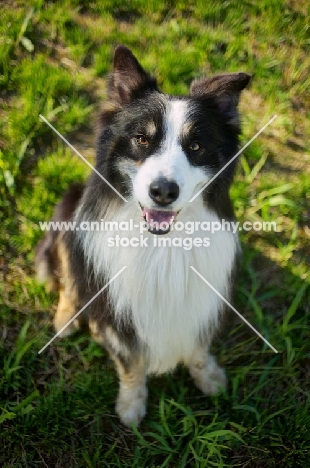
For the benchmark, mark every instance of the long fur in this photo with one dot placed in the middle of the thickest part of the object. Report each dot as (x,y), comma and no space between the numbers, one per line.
(155,293)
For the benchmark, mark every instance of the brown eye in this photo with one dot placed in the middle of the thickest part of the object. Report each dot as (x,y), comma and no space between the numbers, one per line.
(194,146)
(141,140)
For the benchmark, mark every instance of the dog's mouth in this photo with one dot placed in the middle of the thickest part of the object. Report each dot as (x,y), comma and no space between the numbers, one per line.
(159,221)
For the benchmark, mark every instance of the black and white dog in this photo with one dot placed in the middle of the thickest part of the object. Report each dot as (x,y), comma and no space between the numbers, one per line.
(158,151)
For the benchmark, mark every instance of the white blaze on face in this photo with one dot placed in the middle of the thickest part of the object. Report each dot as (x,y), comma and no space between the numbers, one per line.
(170,162)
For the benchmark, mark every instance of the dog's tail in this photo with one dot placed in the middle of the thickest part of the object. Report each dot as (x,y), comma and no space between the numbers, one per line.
(46,255)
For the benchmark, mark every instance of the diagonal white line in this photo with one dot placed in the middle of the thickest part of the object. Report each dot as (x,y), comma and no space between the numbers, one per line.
(235,310)
(82,157)
(83,308)
(233,158)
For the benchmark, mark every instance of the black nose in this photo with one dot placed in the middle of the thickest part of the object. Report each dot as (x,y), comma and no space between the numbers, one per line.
(164,191)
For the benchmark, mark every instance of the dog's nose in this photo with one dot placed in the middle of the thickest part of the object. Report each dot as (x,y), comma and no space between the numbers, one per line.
(164,191)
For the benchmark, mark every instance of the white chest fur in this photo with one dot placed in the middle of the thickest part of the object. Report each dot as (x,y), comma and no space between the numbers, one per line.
(166,301)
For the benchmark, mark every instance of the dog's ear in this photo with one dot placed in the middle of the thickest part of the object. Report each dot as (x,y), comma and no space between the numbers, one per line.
(127,77)
(225,91)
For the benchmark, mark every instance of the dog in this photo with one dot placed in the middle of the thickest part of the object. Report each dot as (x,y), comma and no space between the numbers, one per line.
(157,151)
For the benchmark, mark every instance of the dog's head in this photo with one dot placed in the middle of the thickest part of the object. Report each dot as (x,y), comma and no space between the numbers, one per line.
(161,149)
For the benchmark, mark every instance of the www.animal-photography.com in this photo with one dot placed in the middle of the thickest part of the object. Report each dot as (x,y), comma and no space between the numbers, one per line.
(154,241)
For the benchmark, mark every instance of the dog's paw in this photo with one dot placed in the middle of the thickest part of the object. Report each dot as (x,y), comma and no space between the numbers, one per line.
(209,377)
(60,325)
(131,405)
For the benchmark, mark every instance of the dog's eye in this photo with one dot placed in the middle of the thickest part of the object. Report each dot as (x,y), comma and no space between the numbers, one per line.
(195,146)
(141,140)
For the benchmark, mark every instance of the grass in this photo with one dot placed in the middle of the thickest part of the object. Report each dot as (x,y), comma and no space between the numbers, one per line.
(57,408)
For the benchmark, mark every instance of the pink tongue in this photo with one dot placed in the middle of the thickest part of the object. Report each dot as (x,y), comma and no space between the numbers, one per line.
(155,216)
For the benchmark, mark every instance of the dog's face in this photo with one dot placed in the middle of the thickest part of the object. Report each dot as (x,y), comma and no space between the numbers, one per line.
(164,148)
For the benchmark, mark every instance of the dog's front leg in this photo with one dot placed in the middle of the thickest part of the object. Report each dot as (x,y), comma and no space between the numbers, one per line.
(132,396)
(208,376)
(131,369)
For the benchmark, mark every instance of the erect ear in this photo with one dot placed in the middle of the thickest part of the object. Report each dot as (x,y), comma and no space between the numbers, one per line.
(127,77)
(225,91)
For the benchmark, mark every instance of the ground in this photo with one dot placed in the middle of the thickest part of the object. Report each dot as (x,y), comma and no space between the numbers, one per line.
(58,406)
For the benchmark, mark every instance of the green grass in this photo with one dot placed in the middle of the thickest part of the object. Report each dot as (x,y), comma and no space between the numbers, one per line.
(57,408)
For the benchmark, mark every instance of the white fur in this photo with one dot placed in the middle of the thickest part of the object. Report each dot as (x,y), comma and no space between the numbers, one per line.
(207,374)
(131,403)
(166,301)
(170,162)
(43,271)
